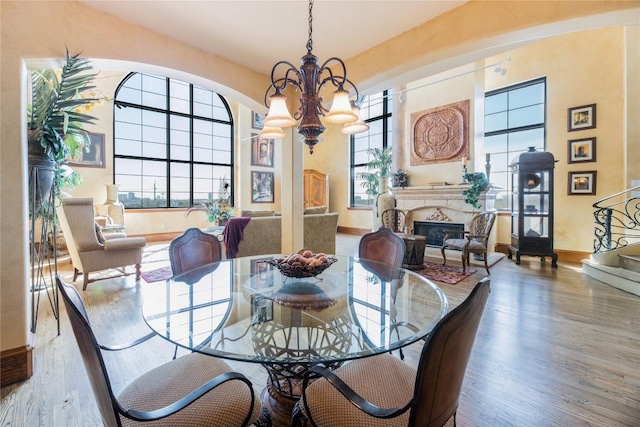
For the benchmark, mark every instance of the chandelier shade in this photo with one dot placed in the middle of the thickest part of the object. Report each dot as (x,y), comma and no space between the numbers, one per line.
(279,115)
(269,132)
(308,81)
(359,126)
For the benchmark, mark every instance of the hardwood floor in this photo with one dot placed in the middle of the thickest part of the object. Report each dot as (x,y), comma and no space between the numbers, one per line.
(555,348)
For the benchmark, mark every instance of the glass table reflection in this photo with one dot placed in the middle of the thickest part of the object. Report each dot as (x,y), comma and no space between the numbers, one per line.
(244,309)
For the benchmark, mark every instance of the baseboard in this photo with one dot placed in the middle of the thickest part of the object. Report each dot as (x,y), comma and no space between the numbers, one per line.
(353,230)
(563,255)
(16,365)
(159,237)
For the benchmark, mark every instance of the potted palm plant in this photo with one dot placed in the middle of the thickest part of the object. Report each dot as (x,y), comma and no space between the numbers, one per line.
(375,180)
(55,124)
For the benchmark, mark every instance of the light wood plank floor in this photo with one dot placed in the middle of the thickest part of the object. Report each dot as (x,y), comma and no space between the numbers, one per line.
(555,348)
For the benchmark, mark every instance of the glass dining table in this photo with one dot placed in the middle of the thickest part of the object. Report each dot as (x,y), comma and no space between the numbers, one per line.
(245,309)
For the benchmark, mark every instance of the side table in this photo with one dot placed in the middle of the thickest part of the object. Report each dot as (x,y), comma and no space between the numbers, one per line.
(414,255)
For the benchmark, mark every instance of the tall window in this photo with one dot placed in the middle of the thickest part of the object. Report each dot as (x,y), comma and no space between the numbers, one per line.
(514,120)
(376,111)
(173,142)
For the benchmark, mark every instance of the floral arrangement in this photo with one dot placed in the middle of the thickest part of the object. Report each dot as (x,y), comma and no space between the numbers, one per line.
(400,178)
(220,209)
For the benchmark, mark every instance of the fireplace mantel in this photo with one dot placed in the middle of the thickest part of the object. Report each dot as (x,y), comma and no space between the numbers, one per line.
(443,203)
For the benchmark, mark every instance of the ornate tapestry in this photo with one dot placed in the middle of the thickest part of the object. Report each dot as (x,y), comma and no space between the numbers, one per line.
(440,134)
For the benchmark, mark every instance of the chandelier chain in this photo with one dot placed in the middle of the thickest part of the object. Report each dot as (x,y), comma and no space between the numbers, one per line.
(310,42)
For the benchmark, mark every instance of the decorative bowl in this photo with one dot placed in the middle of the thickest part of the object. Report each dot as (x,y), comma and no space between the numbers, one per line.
(301,271)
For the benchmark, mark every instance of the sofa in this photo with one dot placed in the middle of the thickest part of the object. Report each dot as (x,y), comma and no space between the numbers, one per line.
(263,234)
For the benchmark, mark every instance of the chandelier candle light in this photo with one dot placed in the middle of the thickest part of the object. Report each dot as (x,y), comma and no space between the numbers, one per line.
(309,80)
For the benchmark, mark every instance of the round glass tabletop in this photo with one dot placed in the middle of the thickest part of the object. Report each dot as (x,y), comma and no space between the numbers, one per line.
(245,309)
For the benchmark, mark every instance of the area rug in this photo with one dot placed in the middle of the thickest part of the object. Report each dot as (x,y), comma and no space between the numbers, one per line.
(157,275)
(444,273)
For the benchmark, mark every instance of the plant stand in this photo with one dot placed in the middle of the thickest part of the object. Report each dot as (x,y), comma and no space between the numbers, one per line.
(41,254)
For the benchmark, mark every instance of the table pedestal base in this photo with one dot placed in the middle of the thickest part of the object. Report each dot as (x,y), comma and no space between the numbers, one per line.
(278,406)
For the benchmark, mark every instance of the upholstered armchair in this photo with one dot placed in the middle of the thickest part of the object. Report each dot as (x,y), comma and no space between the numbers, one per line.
(90,250)
(473,241)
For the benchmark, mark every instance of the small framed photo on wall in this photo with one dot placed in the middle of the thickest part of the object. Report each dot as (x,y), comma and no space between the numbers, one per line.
(261,151)
(580,118)
(582,150)
(262,187)
(582,182)
(92,155)
(257,120)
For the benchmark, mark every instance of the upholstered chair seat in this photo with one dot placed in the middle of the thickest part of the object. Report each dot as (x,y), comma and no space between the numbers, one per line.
(226,405)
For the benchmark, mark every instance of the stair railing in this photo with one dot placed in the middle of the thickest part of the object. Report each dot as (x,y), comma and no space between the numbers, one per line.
(617,220)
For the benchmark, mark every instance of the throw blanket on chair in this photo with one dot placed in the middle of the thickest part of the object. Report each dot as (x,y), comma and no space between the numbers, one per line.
(232,234)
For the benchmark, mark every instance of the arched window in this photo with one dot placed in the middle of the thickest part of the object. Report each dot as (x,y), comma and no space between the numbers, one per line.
(173,143)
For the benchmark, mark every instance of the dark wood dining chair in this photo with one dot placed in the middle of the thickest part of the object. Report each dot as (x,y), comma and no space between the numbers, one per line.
(193,255)
(192,250)
(387,249)
(382,246)
(472,241)
(192,390)
(384,391)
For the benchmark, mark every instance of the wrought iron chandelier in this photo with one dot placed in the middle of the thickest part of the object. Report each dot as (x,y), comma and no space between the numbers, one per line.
(309,80)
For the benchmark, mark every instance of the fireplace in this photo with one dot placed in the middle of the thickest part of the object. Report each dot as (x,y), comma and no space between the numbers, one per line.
(434,230)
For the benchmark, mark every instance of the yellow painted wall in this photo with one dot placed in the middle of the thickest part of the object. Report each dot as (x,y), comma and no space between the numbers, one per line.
(581,68)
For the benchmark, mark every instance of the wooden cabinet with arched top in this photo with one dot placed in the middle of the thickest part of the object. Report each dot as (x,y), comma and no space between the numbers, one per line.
(316,189)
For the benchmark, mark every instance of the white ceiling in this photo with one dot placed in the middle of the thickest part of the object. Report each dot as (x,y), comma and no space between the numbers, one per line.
(259,33)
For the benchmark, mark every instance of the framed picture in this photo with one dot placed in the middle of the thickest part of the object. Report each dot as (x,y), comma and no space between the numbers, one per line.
(261,151)
(582,182)
(262,273)
(582,150)
(261,309)
(91,156)
(256,120)
(580,118)
(261,187)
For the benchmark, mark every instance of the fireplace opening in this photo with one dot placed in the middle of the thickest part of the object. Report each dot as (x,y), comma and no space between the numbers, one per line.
(434,231)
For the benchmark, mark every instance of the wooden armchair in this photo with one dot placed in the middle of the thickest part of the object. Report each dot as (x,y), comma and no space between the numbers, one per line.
(395,219)
(195,389)
(473,241)
(384,391)
(89,249)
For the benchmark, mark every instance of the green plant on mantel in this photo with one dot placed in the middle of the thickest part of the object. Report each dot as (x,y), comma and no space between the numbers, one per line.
(379,168)
(479,183)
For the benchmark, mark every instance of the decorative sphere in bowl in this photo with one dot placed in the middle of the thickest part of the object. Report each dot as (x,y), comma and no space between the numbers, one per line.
(302,264)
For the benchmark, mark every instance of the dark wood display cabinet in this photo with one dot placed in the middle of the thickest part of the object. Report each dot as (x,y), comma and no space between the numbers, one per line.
(532,206)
